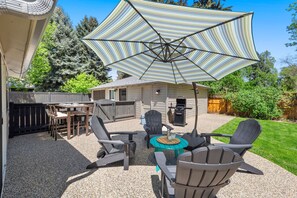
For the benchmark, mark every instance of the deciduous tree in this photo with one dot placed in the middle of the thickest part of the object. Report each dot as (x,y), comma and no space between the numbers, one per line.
(80,84)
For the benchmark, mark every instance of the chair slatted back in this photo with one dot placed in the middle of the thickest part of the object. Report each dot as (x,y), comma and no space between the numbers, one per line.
(202,172)
(153,120)
(246,133)
(100,131)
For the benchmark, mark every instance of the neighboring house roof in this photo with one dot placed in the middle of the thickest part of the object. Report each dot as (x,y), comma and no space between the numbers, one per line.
(24,22)
(131,81)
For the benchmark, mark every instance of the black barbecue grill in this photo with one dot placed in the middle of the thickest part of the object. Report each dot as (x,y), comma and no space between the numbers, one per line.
(180,112)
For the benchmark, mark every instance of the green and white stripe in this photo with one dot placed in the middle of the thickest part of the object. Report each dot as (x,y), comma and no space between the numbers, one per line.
(213,43)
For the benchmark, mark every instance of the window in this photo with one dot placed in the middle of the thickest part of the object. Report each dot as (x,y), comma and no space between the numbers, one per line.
(123,94)
(112,94)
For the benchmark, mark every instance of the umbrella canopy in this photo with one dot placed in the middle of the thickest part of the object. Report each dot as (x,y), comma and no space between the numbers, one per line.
(172,43)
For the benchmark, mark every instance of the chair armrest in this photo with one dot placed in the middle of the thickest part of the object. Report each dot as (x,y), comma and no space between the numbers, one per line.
(112,142)
(124,133)
(167,126)
(161,162)
(235,146)
(208,135)
(215,134)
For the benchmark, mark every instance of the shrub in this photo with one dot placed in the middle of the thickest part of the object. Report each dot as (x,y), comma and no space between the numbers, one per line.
(258,102)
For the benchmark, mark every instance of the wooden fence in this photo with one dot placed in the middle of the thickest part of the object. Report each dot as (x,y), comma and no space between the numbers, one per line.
(27,118)
(45,97)
(111,111)
(32,118)
(220,105)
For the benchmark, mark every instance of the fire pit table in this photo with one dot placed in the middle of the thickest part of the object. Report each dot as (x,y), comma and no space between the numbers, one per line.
(177,145)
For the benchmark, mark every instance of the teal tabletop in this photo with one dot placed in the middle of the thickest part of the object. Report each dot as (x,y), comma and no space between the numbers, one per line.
(183,143)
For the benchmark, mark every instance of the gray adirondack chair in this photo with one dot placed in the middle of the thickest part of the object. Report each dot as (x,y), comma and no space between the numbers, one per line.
(241,141)
(198,173)
(153,125)
(112,150)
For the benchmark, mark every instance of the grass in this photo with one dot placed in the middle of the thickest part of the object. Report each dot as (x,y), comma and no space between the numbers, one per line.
(277,142)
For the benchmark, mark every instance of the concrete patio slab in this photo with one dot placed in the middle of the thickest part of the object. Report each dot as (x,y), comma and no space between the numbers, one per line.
(38,166)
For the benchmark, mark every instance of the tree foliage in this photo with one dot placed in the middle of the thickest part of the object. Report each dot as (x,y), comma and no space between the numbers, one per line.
(40,66)
(292,28)
(230,83)
(122,75)
(288,78)
(64,56)
(262,73)
(206,4)
(258,102)
(91,63)
(80,84)
(211,4)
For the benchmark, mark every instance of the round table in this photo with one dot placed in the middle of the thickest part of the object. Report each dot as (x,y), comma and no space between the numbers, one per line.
(177,148)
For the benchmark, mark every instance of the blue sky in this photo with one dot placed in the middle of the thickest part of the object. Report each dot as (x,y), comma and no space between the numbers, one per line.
(269,23)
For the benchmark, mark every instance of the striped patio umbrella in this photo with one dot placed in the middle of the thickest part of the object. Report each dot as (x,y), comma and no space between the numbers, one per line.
(174,44)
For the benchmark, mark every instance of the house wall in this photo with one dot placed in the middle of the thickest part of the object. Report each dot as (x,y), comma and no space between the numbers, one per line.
(4,111)
(186,91)
(149,100)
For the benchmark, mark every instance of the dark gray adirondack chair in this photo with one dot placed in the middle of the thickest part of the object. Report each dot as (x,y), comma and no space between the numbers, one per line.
(153,125)
(112,150)
(198,173)
(241,141)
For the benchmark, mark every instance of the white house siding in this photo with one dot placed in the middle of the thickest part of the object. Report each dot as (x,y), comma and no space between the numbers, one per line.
(158,102)
(186,91)
(134,93)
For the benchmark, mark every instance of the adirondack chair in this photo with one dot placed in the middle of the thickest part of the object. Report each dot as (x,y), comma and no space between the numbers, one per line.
(153,125)
(112,150)
(241,141)
(198,173)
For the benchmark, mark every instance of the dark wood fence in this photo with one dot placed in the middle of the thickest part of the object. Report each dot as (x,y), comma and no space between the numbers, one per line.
(32,117)
(27,118)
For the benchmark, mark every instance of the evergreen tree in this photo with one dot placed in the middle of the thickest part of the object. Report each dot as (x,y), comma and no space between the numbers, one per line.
(122,75)
(64,56)
(91,63)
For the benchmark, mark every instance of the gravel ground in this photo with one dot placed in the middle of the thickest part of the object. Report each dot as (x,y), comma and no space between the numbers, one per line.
(38,166)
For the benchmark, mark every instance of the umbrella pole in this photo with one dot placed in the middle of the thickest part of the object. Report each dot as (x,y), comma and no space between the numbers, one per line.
(195,132)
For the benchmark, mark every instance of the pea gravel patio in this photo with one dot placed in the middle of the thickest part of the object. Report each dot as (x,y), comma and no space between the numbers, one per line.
(38,166)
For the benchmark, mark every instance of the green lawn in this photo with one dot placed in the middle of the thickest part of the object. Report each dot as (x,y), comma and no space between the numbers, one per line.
(277,142)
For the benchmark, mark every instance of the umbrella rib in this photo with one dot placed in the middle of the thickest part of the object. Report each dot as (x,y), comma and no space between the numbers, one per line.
(131,56)
(177,46)
(218,53)
(197,65)
(152,50)
(174,59)
(122,41)
(145,20)
(211,27)
(150,65)
(173,73)
(179,72)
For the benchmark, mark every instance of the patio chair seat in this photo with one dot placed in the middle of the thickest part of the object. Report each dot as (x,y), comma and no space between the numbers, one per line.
(112,150)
